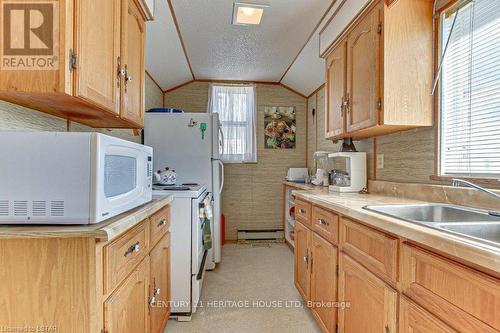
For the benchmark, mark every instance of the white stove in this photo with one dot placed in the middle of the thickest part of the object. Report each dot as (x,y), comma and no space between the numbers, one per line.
(187,190)
(188,256)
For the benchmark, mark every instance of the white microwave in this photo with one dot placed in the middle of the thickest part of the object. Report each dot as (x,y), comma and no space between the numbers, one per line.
(71,178)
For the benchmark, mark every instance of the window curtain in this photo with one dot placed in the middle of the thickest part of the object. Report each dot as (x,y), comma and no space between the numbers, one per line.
(236,106)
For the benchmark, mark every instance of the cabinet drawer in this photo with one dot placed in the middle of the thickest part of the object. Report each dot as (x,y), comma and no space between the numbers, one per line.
(374,249)
(413,318)
(123,254)
(466,300)
(303,211)
(159,223)
(326,224)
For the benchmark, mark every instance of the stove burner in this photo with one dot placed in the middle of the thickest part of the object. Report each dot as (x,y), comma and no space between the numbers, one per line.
(190,184)
(170,187)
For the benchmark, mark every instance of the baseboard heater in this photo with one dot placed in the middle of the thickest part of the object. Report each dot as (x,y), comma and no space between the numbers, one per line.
(277,234)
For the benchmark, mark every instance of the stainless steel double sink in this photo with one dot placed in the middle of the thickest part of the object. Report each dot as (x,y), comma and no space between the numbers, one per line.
(473,223)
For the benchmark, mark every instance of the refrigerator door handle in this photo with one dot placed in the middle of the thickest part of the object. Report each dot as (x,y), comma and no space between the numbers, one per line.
(222,176)
(221,140)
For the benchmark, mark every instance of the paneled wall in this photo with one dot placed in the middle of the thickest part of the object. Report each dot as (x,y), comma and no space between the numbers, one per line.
(408,156)
(18,118)
(252,195)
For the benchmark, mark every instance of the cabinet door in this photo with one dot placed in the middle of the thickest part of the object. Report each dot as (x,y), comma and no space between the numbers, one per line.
(302,259)
(324,282)
(133,31)
(160,284)
(372,303)
(126,310)
(98,50)
(335,91)
(363,72)
(413,319)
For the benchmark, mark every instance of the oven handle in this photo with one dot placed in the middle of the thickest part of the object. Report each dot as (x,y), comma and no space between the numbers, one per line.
(199,276)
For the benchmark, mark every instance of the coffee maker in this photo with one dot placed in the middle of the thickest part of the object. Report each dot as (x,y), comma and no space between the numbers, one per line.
(349,171)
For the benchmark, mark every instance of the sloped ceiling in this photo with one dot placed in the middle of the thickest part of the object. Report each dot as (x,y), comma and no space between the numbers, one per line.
(284,48)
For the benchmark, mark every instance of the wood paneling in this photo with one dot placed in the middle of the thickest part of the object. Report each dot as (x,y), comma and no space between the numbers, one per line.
(414,319)
(302,257)
(324,283)
(465,299)
(326,224)
(374,249)
(64,266)
(126,311)
(154,95)
(373,304)
(192,97)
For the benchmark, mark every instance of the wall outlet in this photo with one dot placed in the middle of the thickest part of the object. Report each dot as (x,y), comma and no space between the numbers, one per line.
(380,161)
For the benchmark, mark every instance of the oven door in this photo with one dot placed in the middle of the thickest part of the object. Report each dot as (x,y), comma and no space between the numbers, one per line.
(122,174)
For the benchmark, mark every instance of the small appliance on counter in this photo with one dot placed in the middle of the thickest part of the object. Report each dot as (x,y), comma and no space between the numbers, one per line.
(322,162)
(71,178)
(298,175)
(349,173)
(166,177)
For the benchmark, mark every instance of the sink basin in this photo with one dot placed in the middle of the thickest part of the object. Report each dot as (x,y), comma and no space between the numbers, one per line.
(472,223)
(434,213)
(486,232)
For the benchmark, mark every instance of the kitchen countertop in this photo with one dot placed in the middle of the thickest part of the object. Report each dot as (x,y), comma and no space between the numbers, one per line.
(351,205)
(303,186)
(103,231)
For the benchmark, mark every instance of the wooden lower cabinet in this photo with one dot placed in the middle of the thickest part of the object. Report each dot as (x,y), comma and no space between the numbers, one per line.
(323,292)
(126,310)
(414,319)
(160,284)
(302,262)
(372,302)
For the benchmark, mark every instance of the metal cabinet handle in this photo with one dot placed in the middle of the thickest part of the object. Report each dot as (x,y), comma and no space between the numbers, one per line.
(302,210)
(306,258)
(152,301)
(342,107)
(136,247)
(322,222)
(162,222)
(157,291)
(347,104)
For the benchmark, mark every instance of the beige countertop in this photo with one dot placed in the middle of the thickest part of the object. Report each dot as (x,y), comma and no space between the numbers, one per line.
(104,231)
(351,205)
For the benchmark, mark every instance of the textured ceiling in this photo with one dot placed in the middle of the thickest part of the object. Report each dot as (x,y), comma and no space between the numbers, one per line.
(165,60)
(222,51)
(219,50)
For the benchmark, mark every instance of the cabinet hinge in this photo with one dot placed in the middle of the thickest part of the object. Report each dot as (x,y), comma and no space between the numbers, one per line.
(72,60)
(379,104)
(337,329)
(379,28)
(337,270)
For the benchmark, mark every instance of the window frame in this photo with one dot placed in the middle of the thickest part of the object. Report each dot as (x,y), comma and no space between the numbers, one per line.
(485,179)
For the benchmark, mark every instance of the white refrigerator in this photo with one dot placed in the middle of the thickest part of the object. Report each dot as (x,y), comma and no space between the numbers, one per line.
(190,144)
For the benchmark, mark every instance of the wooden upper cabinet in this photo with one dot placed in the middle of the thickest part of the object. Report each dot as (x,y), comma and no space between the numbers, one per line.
(85,83)
(363,72)
(324,282)
(133,34)
(336,91)
(160,284)
(126,310)
(389,66)
(98,50)
(302,259)
(372,303)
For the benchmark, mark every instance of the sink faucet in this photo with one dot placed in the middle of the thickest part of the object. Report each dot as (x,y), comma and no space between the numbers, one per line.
(455,182)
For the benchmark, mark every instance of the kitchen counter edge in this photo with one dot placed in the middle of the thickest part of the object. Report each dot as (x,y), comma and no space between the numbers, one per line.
(103,231)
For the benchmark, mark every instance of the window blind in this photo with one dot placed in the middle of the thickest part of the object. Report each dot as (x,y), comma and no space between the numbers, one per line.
(470,91)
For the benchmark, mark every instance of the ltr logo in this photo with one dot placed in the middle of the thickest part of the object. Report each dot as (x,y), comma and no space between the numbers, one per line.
(29,35)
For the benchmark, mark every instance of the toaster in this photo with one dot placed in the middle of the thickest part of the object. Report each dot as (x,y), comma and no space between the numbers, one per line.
(297,174)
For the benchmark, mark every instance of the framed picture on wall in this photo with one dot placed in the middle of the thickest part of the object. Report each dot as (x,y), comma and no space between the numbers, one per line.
(279,127)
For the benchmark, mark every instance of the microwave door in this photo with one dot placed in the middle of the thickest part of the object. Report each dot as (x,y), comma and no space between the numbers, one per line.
(123,178)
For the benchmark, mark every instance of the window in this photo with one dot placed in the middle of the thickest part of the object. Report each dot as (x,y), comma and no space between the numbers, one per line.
(470,90)
(237,112)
